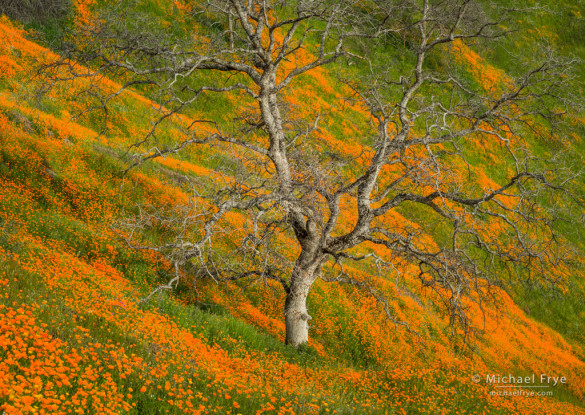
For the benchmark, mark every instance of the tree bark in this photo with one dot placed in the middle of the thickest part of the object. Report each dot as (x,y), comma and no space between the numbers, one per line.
(296,315)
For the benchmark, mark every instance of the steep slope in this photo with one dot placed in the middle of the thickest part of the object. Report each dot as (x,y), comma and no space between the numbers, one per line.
(76,338)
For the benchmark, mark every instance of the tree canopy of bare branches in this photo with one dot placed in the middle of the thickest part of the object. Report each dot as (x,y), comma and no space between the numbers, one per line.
(424,122)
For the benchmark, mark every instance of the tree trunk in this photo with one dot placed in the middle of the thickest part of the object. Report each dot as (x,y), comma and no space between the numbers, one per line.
(296,315)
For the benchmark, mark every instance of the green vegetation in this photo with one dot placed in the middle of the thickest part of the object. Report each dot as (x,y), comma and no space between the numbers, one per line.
(64,266)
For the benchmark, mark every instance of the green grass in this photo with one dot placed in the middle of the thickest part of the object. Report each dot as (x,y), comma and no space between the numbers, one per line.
(561,312)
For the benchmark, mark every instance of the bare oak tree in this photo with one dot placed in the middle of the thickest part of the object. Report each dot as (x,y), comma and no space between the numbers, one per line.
(425,123)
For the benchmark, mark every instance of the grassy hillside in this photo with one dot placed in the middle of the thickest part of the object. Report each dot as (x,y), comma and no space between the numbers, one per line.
(75,337)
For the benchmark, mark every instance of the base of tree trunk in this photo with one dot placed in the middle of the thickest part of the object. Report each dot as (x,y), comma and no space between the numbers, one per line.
(296,319)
